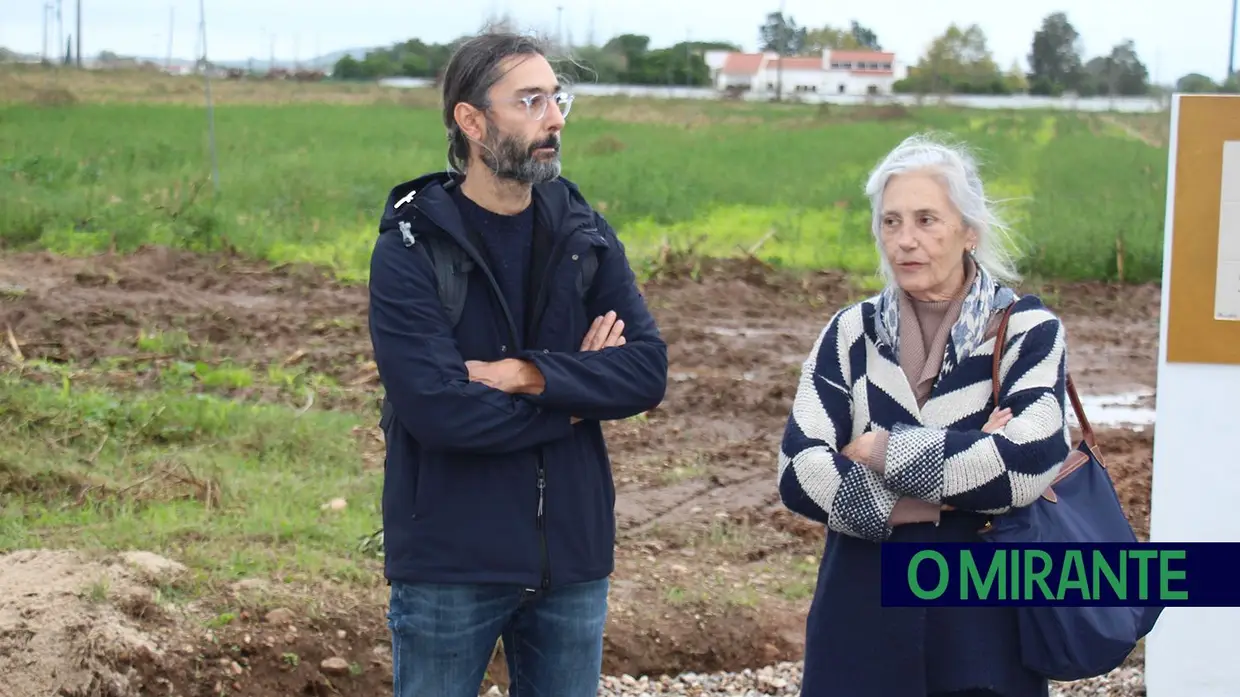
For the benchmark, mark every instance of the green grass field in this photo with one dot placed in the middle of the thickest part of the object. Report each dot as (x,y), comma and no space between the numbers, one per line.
(103,456)
(306,182)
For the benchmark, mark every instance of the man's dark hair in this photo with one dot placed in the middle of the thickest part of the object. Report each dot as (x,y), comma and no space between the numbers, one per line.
(473,69)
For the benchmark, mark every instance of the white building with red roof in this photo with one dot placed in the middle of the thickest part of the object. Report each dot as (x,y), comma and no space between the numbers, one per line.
(848,73)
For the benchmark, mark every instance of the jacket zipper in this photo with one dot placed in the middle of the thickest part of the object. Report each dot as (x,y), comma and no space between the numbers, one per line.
(553,260)
(542,523)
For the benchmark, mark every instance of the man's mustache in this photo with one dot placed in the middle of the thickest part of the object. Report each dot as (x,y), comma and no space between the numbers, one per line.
(552,142)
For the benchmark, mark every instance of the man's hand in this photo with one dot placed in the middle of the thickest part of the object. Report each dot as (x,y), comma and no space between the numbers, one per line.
(606,331)
(515,376)
(511,375)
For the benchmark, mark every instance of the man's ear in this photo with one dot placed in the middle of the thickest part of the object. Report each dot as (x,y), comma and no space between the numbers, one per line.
(470,120)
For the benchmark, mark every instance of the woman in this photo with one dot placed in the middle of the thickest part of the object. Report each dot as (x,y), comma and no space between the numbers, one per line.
(893,435)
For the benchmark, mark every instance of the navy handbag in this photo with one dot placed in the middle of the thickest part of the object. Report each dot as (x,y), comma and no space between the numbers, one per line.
(1060,642)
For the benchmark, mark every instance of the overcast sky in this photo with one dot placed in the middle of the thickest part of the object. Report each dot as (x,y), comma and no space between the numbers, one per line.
(1172,37)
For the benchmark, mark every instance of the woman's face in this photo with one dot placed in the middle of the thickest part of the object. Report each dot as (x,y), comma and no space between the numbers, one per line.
(923,236)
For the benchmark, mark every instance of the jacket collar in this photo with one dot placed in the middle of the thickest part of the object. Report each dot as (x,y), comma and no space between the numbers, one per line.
(559,206)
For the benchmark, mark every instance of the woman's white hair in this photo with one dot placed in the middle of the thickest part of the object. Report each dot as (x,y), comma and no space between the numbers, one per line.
(957,170)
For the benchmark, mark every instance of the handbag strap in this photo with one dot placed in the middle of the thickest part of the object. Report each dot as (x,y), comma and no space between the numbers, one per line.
(1087,430)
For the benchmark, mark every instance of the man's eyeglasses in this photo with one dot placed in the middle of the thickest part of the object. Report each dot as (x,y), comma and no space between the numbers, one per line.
(536,104)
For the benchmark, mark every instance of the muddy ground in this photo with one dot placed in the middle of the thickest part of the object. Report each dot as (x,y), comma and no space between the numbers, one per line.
(712,573)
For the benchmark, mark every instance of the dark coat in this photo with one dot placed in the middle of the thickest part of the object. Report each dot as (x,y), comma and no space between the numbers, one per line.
(481,486)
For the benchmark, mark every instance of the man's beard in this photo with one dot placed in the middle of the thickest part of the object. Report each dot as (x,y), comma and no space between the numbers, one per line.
(509,158)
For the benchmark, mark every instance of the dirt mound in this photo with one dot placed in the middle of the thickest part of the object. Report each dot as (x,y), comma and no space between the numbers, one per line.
(77,626)
(69,626)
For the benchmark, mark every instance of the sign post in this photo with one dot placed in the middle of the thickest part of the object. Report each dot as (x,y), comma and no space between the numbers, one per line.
(1196,474)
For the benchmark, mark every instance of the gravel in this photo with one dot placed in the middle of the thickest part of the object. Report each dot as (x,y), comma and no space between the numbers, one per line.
(785,679)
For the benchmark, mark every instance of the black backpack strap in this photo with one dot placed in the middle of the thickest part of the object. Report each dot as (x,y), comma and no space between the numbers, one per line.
(452,267)
(589,266)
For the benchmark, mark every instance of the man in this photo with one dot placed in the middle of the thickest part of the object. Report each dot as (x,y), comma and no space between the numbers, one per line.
(498,500)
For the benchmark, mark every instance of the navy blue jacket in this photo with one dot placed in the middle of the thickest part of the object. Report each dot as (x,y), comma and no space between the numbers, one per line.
(481,486)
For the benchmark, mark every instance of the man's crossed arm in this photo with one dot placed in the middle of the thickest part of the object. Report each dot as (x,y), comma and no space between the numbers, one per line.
(626,375)
(518,376)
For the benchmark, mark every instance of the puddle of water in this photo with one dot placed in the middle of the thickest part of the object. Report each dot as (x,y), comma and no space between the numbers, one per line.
(1129,409)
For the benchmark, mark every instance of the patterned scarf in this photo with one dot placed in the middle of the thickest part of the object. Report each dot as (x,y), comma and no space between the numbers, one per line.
(984,298)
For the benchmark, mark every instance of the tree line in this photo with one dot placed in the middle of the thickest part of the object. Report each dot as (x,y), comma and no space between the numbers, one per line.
(627,59)
(959,61)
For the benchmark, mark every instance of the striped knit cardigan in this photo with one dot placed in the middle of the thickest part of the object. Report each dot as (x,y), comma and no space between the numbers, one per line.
(852,383)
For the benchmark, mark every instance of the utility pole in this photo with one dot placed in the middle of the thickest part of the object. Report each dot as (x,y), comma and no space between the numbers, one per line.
(781,49)
(171,26)
(559,31)
(79,33)
(47,10)
(206,75)
(1231,51)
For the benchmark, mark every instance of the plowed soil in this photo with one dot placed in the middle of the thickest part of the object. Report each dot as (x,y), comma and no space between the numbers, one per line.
(712,573)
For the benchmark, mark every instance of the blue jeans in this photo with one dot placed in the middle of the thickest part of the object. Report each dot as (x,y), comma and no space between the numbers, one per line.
(443,636)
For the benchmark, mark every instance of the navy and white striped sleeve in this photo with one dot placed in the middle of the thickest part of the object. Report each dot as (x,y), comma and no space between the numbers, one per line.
(815,481)
(974,470)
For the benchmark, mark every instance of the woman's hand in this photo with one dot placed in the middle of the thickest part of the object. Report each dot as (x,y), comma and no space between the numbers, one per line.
(859,450)
(998,419)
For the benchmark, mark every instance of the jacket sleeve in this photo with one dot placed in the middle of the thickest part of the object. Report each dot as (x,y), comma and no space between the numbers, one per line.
(994,472)
(616,382)
(424,375)
(815,480)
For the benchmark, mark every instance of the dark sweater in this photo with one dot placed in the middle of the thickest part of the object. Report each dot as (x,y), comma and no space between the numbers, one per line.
(508,239)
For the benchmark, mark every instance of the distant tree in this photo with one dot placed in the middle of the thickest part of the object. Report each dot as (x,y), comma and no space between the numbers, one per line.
(782,35)
(865,37)
(856,37)
(1015,79)
(625,59)
(1196,83)
(1055,57)
(1120,73)
(828,38)
(958,61)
